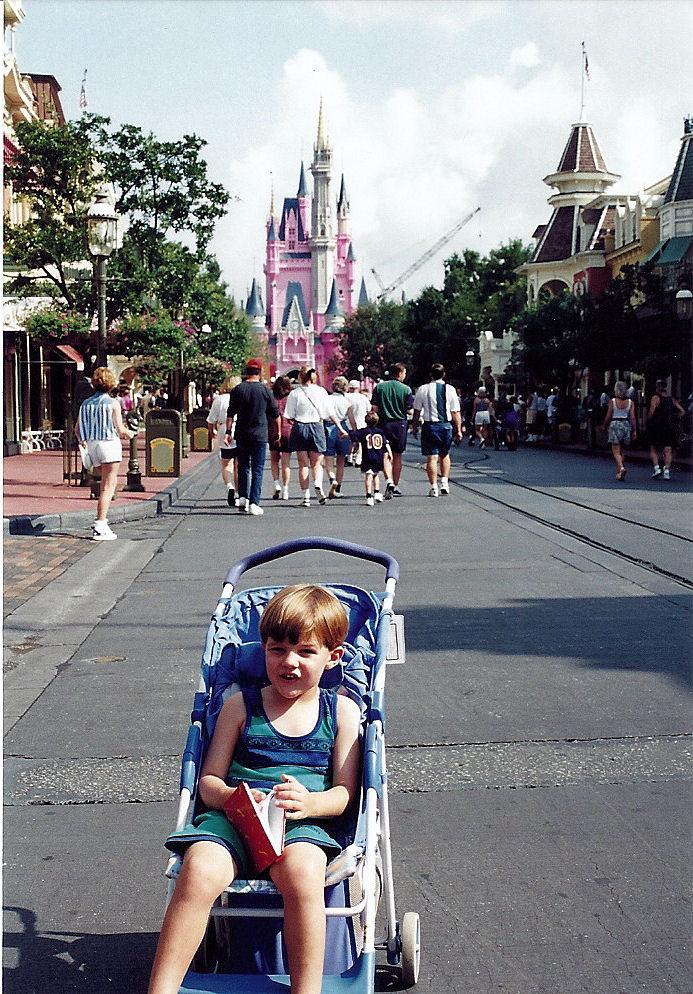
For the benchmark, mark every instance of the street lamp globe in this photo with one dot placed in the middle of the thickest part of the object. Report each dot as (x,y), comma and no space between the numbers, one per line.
(684,304)
(102,224)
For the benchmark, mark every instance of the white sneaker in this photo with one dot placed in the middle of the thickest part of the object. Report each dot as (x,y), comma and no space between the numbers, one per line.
(320,494)
(656,472)
(285,493)
(277,491)
(254,509)
(378,497)
(102,533)
(444,490)
(370,501)
(665,474)
(242,505)
(433,492)
(305,502)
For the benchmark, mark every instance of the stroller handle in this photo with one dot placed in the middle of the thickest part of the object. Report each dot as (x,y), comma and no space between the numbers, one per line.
(306,544)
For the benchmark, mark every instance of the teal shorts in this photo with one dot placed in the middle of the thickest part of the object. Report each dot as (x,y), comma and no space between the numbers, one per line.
(214,826)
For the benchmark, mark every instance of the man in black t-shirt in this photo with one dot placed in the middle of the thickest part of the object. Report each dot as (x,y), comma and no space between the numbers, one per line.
(252,404)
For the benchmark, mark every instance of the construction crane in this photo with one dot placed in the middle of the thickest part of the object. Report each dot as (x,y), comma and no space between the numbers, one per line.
(384,290)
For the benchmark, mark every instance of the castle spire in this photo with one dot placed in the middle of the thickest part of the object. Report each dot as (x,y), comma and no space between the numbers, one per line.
(321,142)
(302,185)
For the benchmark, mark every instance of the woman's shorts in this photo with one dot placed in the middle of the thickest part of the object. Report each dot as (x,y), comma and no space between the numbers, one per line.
(214,826)
(229,452)
(482,418)
(308,437)
(106,451)
(335,446)
(436,438)
(619,432)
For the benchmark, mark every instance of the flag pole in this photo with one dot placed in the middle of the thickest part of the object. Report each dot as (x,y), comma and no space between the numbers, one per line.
(584,74)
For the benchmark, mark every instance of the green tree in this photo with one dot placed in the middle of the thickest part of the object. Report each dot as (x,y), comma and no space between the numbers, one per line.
(161,187)
(551,341)
(374,338)
(53,171)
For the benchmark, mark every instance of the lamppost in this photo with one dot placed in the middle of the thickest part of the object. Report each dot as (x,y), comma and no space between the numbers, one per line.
(684,309)
(102,231)
(360,369)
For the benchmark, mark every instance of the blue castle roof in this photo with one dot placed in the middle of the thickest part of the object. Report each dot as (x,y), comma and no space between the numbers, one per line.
(271,234)
(294,290)
(254,307)
(334,307)
(302,185)
(363,295)
(291,203)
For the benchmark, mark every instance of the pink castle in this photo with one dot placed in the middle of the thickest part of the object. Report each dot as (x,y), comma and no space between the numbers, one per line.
(309,271)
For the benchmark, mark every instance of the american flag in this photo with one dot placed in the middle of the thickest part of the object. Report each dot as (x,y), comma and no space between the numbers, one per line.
(83,92)
(587,65)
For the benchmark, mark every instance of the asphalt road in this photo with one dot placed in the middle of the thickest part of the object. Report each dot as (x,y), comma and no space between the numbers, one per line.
(539,734)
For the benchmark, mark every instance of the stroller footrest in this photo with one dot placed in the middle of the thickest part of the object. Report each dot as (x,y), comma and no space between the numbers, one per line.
(360,978)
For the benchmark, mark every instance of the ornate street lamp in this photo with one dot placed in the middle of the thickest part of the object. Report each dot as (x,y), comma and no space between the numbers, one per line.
(102,232)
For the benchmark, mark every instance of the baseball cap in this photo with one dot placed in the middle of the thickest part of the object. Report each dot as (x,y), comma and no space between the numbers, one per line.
(354,385)
(253,364)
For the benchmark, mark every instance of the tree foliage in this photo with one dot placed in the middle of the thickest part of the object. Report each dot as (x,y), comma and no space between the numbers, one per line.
(53,170)
(374,338)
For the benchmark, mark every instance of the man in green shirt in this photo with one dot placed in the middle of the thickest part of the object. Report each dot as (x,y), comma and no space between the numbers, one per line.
(391,401)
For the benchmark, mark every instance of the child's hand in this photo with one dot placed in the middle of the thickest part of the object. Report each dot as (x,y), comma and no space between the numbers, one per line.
(294,798)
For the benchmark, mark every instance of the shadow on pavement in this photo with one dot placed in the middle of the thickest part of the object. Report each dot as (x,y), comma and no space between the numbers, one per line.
(65,962)
(599,632)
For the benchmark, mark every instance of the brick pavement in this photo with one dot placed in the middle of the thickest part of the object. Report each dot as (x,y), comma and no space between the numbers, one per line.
(30,562)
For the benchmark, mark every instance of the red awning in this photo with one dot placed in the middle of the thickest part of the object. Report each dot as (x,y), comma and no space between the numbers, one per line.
(72,354)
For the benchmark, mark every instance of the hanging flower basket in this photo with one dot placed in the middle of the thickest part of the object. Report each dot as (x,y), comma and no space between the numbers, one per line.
(54,325)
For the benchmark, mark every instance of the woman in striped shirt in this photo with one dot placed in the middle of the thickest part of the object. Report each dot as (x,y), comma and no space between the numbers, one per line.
(99,431)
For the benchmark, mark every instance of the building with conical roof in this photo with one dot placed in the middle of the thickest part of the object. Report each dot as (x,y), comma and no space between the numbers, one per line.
(309,270)
(673,254)
(569,251)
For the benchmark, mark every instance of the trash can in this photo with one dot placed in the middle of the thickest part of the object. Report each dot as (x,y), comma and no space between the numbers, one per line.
(163,442)
(198,429)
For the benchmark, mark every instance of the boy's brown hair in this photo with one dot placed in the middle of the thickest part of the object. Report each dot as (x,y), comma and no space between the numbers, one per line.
(304,611)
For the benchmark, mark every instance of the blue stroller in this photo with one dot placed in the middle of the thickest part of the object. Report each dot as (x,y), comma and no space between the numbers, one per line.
(242,950)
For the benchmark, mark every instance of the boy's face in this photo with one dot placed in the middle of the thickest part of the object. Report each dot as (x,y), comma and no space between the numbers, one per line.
(294,669)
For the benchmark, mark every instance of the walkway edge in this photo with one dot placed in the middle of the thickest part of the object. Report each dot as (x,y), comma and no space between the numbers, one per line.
(45,632)
(43,524)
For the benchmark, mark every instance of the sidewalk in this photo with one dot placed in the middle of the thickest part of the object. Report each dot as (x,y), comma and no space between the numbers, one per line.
(36,499)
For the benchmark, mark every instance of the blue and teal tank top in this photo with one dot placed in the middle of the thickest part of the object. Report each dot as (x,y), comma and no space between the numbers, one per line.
(96,419)
(263,754)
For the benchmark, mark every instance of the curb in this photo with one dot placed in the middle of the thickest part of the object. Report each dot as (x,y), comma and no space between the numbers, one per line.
(41,524)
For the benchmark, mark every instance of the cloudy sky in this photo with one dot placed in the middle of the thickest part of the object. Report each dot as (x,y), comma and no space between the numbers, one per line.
(432,108)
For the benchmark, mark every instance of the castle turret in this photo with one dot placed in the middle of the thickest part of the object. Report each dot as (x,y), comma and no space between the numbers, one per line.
(303,200)
(254,309)
(271,269)
(322,242)
(363,295)
(334,315)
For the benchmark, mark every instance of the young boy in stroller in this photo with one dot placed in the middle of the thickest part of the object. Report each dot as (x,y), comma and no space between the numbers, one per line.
(295,738)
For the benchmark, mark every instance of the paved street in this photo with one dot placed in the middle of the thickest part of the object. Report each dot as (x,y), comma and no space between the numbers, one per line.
(539,735)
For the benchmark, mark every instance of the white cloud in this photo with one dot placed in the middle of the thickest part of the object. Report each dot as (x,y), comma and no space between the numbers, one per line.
(526,57)
(413,169)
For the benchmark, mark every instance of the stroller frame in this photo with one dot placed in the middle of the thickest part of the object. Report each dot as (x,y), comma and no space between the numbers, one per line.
(372,843)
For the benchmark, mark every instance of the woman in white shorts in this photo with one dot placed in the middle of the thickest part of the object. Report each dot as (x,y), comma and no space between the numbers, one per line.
(482,412)
(307,406)
(99,431)
(216,419)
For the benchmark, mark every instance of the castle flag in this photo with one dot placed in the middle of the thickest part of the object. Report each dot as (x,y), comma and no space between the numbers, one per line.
(83,93)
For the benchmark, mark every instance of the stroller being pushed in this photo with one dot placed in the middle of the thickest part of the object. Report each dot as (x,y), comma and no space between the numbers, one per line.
(243,947)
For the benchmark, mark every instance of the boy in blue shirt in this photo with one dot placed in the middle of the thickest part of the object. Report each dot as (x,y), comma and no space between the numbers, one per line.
(376,458)
(302,631)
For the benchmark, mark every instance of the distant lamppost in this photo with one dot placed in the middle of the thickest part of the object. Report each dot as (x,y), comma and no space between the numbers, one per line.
(684,309)
(360,369)
(102,232)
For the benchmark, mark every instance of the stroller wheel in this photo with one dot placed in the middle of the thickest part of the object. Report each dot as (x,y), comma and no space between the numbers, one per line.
(411,948)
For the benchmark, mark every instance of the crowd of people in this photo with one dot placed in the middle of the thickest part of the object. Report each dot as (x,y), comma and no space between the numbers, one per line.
(346,427)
